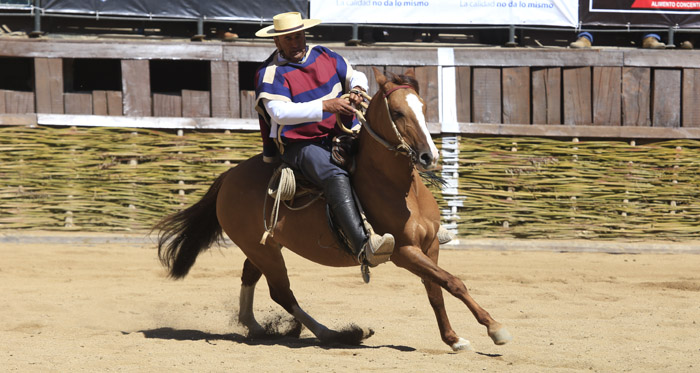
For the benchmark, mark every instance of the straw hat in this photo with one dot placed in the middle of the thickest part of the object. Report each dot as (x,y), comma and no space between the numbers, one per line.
(286,23)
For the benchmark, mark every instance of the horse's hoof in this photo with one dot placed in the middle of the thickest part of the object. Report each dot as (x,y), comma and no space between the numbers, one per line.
(350,335)
(500,336)
(462,345)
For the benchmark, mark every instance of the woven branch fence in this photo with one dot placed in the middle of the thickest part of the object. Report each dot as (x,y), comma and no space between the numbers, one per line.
(545,188)
(106,179)
(100,179)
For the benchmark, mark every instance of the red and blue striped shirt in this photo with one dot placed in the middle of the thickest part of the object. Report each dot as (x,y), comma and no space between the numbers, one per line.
(321,75)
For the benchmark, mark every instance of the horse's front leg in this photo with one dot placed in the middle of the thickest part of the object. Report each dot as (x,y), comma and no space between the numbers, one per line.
(415,261)
(447,334)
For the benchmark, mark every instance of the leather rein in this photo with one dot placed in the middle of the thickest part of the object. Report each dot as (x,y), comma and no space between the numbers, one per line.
(403,147)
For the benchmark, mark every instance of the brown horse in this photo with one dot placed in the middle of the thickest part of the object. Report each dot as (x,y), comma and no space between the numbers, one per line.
(390,188)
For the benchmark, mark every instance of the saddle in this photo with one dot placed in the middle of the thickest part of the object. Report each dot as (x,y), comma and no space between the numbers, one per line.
(288,185)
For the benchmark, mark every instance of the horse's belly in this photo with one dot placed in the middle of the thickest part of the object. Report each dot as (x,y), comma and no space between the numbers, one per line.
(307,233)
(240,212)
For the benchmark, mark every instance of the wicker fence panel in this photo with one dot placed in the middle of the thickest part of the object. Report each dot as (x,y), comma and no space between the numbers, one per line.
(105,178)
(101,179)
(545,188)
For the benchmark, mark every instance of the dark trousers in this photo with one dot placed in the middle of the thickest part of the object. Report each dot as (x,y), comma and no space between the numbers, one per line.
(313,160)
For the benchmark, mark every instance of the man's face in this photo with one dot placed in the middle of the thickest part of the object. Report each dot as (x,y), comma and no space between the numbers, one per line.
(292,46)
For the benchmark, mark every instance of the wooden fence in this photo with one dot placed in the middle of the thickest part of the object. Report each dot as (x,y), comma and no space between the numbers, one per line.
(548,143)
(619,93)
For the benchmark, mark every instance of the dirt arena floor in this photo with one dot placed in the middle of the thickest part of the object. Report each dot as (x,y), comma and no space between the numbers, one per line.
(75,305)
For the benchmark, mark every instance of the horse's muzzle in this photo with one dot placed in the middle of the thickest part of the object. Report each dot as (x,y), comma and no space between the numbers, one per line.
(426,161)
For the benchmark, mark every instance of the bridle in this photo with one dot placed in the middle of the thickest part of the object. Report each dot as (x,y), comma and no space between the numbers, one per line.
(403,147)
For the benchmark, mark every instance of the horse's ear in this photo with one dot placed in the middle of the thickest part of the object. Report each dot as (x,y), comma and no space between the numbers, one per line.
(379,77)
(410,72)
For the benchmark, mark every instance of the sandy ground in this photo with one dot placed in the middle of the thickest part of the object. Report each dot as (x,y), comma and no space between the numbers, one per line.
(73,306)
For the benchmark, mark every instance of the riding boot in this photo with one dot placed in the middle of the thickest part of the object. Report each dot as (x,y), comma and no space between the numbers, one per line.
(372,250)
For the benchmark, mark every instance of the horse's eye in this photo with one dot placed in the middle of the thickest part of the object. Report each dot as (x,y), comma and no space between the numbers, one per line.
(396,115)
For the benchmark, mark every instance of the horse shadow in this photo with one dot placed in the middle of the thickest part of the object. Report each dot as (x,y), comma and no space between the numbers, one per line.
(167,333)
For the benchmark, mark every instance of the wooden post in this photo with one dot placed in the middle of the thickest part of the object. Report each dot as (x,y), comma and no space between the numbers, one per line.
(48,85)
(136,87)
(180,192)
(691,97)
(228,149)
(679,149)
(516,95)
(666,105)
(607,96)
(577,95)
(573,198)
(133,162)
(450,191)
(486,95)
(220,103)
(636,96)
(546,95)
(464,92)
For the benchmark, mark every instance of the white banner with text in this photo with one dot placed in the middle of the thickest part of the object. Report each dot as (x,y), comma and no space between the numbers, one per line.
(494,12)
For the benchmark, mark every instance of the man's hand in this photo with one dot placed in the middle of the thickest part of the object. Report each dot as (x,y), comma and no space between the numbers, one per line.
(355,98)
(338,106)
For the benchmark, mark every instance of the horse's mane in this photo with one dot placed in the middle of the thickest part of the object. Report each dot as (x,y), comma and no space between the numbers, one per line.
(401,79)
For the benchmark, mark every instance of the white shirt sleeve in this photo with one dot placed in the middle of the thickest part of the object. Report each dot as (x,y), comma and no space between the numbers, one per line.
(359,79)
(290,113)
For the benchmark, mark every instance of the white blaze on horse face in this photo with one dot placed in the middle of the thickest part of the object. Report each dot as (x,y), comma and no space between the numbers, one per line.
(417,106)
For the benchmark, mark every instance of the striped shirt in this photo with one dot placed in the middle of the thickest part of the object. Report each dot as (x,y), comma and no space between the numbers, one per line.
(321,75)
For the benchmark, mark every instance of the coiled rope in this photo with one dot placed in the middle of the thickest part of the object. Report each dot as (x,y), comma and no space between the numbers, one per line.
(282,188)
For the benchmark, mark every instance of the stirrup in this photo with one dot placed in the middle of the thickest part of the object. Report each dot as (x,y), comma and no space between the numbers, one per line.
(364,271)
(377,250)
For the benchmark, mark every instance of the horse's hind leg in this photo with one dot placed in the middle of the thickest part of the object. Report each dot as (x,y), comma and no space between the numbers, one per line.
(271,264)
(417,262)
(249,278)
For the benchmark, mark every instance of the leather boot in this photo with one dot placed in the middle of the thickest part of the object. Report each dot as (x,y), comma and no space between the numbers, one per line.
(651,42)
(582,42)
(372,250)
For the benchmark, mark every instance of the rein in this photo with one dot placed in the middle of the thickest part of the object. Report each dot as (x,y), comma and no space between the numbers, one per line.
(403,147)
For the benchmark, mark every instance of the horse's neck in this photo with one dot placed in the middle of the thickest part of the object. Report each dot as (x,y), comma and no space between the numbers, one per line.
(381,165)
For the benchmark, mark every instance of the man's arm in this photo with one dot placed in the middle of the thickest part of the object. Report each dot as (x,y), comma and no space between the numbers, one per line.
(290,113)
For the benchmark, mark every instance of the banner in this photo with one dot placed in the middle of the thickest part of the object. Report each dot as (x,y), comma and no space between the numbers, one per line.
(16,4)
(641,13)
(494,12)
(209,9)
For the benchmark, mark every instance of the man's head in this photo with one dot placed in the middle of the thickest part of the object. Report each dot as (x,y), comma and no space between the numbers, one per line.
(287,29)
(292,46)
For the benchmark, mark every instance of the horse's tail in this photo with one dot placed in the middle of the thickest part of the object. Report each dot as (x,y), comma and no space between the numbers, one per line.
(183,235)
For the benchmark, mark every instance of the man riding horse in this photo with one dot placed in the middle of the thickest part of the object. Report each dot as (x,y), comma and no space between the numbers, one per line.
(298,91)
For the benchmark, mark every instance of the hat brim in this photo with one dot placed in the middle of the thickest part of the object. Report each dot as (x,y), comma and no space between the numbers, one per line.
(269,31)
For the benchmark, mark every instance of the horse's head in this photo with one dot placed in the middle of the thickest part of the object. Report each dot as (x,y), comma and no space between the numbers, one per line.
(406,112)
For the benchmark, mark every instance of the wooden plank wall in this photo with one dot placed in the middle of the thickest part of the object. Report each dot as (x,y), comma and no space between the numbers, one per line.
(634,88)
(691,98)
(600,96)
